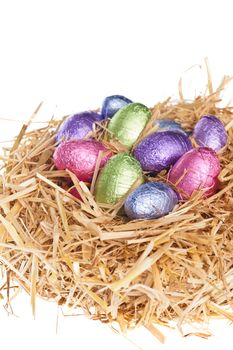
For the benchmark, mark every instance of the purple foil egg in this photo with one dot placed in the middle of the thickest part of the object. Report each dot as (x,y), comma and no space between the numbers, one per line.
(112,104)
(210,132)
(80,156)
(196,170)
(77,126)
(160,150)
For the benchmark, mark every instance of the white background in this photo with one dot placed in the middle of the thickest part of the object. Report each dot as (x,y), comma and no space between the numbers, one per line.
(71,54)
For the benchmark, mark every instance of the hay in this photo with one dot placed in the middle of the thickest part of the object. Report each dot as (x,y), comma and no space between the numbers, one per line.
(82,255)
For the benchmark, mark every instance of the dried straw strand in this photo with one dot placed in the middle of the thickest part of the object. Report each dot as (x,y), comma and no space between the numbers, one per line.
(83,254)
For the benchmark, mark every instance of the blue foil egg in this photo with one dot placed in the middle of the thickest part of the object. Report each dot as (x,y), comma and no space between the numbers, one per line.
(112,104)
(169,124)
(150,201)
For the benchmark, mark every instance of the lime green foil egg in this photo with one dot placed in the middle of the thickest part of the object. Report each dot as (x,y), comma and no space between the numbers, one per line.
(128,123)
(117,177)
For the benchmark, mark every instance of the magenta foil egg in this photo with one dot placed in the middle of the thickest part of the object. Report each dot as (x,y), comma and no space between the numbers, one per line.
(80,156)
(196,170)
(75,193)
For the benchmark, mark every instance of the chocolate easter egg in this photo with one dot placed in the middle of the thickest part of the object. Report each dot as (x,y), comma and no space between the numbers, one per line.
(77,126)
(75,192)
(150,201)
(168,124)
(196,170)
(80,156)
(210,132)
(160,150)
(112,104)
(117,177)
(127,124)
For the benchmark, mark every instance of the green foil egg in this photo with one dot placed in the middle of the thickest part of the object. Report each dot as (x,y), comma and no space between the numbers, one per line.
(128,123)
(117,177)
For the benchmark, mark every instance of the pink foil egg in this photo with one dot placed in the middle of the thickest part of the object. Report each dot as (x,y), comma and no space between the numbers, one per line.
(75,193)
(196,170)
(80,156)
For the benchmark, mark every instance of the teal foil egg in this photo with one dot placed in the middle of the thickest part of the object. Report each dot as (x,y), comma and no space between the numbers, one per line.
(150,201)
(128,123)
(117,177)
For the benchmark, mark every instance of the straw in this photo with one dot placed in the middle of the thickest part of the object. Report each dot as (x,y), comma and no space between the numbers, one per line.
(82,254)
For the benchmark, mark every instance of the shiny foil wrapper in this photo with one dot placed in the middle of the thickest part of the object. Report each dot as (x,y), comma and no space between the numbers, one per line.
(128,123)
(169,124)
(117,177)
(77,126)
(210,132)
(75,193)
(196,170)
(150,201)
(80,157)
(112,104)
(160,150)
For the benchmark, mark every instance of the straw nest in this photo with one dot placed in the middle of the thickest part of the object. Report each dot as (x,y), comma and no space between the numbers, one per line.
(179,267)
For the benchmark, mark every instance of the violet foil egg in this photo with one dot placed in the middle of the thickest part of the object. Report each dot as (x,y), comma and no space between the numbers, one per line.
(77,126)
(80,156)
(160,150)
(196,170)
(150,201)
(210,132)
(112,104)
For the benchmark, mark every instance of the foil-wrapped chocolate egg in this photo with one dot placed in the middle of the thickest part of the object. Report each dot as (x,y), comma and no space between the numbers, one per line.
(169,124)
(210,132)
(80,156)
(77,126)
(117,177)
(196,170)
(112,104)
(150,201)
(160,150)
(128,123)
(75,193)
